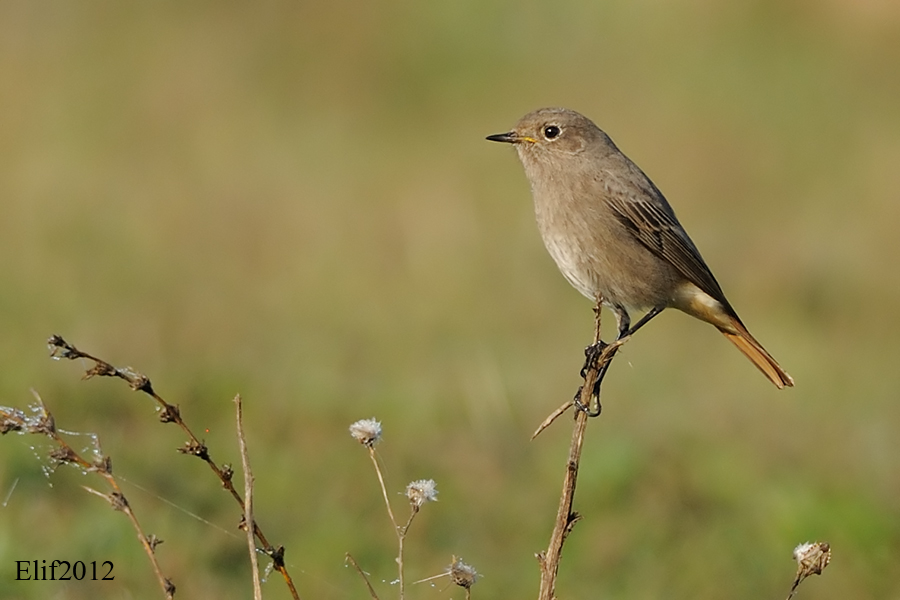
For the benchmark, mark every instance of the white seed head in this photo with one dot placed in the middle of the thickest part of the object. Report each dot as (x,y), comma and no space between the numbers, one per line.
(802,550)
(421,491)
(366,431)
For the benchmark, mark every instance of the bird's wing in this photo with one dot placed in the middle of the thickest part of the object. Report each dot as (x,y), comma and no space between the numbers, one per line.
(646,214)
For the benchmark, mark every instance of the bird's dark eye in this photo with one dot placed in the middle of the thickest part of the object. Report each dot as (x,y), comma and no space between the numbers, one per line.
(551,131)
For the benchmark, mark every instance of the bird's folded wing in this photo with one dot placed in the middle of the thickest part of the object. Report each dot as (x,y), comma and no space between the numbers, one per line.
(662,234)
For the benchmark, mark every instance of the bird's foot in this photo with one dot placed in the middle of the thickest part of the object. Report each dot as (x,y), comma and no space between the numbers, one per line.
(592,354)
(593,407)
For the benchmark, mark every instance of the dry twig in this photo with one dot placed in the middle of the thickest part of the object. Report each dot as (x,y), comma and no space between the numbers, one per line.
(565,516)
(249,523)
(170,413)
(362,574)
(43,423)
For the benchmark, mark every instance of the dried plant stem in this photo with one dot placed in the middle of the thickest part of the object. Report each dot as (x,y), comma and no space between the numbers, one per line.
(166,585)
(401,537)
(170,413)
(363,575)
(400,580)
(249,521)
(384,493)
(565,516)
(117,501)
(400,531)
(45,424)
(552,417)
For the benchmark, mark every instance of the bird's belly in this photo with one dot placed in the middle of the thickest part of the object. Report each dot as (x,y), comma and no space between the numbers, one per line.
(621,272)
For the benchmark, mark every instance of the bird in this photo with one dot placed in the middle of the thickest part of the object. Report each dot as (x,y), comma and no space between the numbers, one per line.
(613,234)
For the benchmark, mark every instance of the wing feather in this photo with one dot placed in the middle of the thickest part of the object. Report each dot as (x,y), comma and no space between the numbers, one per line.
(647,215)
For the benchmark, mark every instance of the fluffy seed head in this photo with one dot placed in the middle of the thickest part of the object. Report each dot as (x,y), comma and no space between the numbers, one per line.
(421,491)
(366,431)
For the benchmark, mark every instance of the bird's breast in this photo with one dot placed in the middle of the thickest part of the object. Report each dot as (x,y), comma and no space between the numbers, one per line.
(596,253)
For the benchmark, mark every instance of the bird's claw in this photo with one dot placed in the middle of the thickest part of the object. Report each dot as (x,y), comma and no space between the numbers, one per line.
(592,354)
(593,408)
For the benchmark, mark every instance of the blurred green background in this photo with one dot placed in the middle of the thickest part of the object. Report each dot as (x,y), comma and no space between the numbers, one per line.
(295,201)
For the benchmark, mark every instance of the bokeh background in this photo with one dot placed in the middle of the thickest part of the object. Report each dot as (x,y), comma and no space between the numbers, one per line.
(295,201)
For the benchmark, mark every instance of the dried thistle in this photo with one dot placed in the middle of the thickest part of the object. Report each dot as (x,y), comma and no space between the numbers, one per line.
(421,491)
(812,558)
(367,432)
(462,574)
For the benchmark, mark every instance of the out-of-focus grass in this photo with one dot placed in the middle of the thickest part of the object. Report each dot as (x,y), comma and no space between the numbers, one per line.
(295,202)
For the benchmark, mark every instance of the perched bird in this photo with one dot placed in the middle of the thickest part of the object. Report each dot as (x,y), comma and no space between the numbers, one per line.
(613,234)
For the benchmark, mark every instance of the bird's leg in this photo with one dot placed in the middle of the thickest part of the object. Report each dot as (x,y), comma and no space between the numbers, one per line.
(643,321)
(623,324)
(623,320)
(593,352)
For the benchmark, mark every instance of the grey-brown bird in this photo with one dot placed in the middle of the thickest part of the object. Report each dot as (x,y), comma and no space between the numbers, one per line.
(613,234)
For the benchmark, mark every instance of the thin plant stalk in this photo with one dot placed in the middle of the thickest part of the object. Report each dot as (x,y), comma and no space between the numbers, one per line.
(399,531)
(249,521)
(565,516)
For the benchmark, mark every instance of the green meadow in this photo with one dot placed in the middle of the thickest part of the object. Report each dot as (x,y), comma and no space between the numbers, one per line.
(294,201)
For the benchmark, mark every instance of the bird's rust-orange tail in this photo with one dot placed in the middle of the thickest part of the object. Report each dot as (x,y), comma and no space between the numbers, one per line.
(747,344)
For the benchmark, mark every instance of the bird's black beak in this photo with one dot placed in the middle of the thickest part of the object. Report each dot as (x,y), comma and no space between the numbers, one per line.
(509,137)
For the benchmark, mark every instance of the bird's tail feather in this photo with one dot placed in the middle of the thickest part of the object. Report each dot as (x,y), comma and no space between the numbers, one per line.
(747,344)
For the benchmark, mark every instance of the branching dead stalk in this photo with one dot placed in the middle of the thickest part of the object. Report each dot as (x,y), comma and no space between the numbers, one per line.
(43,423)
(368,433)
(400,531)
(170,413)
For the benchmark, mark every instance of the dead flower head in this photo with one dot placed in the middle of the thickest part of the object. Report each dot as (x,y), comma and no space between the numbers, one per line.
(462,574)
(812,558)
(366,431)
(421,491)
